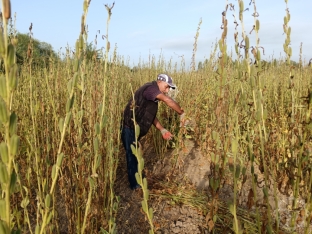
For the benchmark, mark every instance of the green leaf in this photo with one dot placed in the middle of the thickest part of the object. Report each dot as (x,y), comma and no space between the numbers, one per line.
(25,202)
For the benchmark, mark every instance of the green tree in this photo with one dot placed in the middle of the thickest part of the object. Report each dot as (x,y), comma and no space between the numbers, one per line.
(28,47)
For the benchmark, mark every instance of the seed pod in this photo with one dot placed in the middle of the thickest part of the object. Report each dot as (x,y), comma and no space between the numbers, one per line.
(69,104)
(241,16)
(265,192)
(75,78)
(11,55)
(108,45)
(247,42)
(61,124)
(96,144)
(13,77)
(14,144)
(289,52)
(252,82)
(3,87)
(53,171)
(77,49)
(13,181)
(68,118)
(261,83)
(244,171)
(246,64)
(7,9)
(220,45)
(85,6)
(4,152)
(91,182)
(37,230)
(3,112)
(146,194)
(257,25)
(137,177)
(142,159)
(224,34)
(285,48)
(137,131)
(2,47)
(285,20)
(215,135)
(49,217)
(252,71)
(69,85)
(237,172)
(4,178)
(144,207)
(258,115)
(225,58)
(234,146)
(4,227)
(239,75)
(82,25)
(59,159)
(258,55)
(2,209)
(150,212)
(289,31)
(48,200)
(80,42)
(13,123)
(14,41)
(241,6)
(97,128)
(265,114)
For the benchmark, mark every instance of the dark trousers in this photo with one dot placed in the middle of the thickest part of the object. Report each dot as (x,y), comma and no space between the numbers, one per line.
(128,138)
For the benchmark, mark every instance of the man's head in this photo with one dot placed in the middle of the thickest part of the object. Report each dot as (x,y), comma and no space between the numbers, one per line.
(165,83)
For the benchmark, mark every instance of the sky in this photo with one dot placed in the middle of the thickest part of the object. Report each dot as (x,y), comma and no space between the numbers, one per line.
(165,28)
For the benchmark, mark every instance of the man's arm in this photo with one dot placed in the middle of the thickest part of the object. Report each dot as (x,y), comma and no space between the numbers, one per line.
(157,124)
(170,102)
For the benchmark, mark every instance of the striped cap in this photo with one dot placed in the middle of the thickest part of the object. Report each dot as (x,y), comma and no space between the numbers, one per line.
(167,79)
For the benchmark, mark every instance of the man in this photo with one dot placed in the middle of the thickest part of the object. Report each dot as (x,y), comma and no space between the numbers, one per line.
(146,102)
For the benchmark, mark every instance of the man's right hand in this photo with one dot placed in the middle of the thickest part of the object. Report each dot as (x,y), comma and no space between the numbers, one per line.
(183,121)
(166,134)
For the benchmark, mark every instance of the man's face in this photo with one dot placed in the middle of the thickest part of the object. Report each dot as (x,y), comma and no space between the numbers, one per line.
(163,87)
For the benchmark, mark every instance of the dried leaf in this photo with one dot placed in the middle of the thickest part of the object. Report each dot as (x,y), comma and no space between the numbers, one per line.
(250,201)
(210,225)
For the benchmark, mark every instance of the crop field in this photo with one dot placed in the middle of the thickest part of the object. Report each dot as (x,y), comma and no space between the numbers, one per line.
(60,135)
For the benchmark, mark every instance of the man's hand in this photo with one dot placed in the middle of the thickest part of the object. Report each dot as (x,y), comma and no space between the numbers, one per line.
(166,134)
(183,121)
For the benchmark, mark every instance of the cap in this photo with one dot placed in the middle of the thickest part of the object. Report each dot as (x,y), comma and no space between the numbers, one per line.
(167,79)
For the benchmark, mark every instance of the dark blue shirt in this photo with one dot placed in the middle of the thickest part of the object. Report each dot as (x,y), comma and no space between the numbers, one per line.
(151,92)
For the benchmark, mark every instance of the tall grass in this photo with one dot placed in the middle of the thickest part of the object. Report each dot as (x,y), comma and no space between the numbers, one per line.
(252,118)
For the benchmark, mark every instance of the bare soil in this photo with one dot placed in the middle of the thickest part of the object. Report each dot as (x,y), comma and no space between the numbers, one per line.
(179,188)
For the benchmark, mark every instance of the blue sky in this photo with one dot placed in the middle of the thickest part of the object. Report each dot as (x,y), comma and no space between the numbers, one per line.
(144,28)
